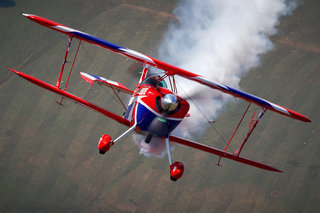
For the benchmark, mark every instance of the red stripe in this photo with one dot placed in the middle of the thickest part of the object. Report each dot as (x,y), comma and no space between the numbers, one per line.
(298,116)
(45,22)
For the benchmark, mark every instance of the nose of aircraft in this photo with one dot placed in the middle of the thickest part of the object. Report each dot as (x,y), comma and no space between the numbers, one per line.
(169,102)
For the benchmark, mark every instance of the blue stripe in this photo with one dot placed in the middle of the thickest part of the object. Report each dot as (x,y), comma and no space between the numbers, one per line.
(98,41)
(248,96)
(95,76)
(145,119)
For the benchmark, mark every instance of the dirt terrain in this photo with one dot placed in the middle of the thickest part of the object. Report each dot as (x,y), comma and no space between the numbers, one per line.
(48,153)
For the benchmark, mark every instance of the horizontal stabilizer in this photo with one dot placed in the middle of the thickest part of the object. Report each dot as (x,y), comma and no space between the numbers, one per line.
(103,81)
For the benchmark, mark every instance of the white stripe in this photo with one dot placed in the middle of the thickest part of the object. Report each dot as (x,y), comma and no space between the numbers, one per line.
(102,78)
(279,108)
(69,29)
(111,82)
(26,14)
(137,55)
(88,76)
(207,82)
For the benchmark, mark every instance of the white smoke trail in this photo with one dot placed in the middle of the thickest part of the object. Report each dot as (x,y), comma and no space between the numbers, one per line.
(156,147)
(221,40)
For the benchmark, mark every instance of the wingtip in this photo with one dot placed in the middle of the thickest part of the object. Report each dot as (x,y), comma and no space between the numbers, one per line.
(277,170)
(15,71)
(26,14)
(298,116)
(304,118)
(272,169)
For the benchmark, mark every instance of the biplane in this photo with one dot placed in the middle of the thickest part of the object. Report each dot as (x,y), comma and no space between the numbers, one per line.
(154,110)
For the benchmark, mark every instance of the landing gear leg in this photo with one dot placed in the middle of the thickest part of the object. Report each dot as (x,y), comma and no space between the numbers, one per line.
(106,142)
(176,168)
(169,150)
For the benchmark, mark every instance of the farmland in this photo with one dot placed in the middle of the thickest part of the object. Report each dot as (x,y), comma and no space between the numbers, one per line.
(48,153)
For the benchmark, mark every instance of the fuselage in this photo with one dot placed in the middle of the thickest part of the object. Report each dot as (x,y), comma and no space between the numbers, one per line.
(146,111)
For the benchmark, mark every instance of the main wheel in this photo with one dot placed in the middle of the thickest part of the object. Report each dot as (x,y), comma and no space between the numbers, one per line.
(101,152)
(173,179)
(176,171)
(104,144)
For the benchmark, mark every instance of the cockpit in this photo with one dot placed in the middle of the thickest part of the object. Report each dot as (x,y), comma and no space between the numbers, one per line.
(154,76)
(154,81)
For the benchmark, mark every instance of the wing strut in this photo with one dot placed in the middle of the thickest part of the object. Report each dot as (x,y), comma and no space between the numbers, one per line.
(74,60)
(63,65)
(237,127)
(252,125)
(64,62)
(263,110)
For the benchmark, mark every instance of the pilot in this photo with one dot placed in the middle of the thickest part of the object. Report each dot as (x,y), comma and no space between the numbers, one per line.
(154,81)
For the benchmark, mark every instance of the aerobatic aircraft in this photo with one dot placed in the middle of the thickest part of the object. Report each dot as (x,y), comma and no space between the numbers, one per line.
(154,109)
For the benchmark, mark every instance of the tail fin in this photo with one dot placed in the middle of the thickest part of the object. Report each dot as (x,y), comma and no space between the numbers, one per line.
(144,72)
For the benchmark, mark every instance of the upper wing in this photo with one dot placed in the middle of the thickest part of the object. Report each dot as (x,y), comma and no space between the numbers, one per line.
(72,97)
(251,98)
(170,69)
(222,153)
(94,78)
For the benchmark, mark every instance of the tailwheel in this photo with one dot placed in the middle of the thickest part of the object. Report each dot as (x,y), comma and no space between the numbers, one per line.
(148,138)
(105,143)
(176,171)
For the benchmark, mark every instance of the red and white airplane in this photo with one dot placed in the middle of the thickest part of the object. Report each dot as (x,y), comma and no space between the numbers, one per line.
(153,109)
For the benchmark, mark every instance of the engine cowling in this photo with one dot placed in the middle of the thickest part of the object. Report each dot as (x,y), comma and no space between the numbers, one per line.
(169,102)
(176,171)
(105,143)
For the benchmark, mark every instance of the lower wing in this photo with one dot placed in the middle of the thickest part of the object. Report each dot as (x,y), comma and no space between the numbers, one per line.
(72,97)
(222,153)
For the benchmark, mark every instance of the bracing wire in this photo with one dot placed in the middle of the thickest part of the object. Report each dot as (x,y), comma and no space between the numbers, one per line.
(203,114)
(97,67)
(90,58)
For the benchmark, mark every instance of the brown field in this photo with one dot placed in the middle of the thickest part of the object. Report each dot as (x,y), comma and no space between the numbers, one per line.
(48,154)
